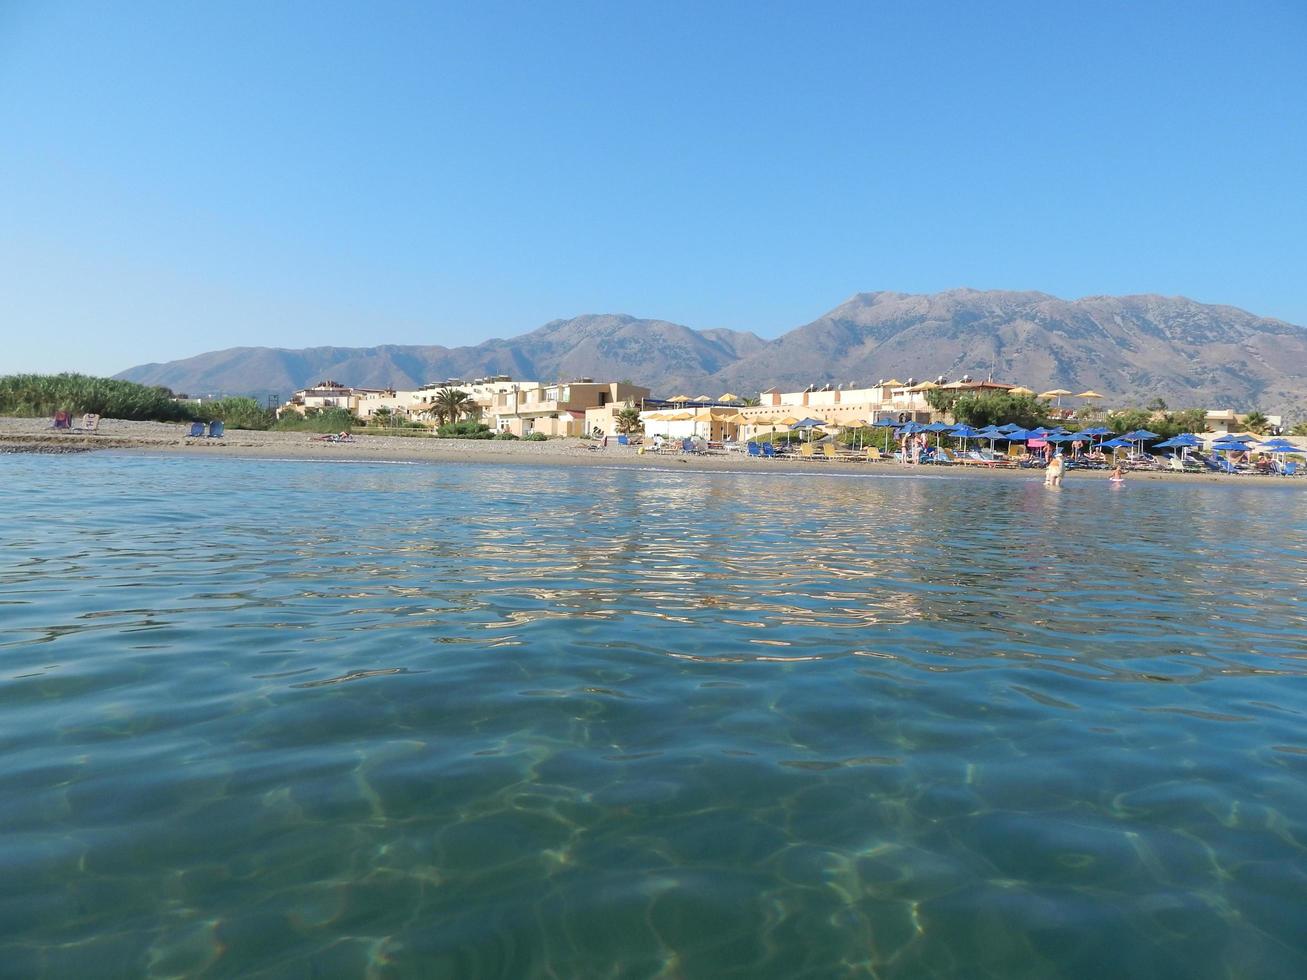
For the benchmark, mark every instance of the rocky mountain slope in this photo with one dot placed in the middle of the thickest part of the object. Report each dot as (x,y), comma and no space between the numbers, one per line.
(1129,348)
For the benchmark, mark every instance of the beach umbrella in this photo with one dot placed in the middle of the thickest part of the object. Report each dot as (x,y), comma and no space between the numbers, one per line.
(1010,427)
(809,424)
(1055,393)
(728,397)
(887,425)
(1021,390)
(1089,394)
(963,432)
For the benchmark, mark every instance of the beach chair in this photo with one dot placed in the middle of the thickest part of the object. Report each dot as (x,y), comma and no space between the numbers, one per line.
(874,455)
(90,423)
(768,450)
(829,451)
(62,420)
(215,430)
(623,441)
(805,451)
(197,431)
(1290,468)
(945,456)
(753,448)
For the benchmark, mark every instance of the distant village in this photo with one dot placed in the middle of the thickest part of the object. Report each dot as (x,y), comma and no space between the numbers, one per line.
(586,407)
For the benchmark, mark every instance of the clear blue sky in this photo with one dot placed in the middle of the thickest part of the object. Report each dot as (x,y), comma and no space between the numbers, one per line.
(180,177)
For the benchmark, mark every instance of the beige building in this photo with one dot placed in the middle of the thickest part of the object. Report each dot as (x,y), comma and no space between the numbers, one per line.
(327,394)
(557,409)
(417,404)
(846,406)
(1226,421)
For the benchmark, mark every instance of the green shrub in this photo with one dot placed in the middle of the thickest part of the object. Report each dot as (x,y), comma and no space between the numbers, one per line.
(506,436)
(36,395)
(535,437)
(325,420)
(780,438)
(465,430)
(237,413)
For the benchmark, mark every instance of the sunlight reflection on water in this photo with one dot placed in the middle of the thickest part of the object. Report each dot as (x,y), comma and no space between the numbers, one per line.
(510,721)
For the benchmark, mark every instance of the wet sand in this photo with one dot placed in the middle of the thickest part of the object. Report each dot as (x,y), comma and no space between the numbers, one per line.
(35,435)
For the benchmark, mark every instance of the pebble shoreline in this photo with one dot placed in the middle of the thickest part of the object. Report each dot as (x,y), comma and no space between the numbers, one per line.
(36,436)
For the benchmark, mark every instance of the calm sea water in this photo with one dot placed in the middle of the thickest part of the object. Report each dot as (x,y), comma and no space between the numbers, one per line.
(309,720)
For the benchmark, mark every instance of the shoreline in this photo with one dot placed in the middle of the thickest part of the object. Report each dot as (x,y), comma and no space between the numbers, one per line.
(169,439)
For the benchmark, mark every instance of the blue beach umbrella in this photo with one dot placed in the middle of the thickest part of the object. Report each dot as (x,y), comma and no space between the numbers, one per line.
(1011,427)
(963,432)
(808,424)
(885,424)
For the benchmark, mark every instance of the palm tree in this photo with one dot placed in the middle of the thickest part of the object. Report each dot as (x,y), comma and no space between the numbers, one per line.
(1255,422)
(627,419)
(750,402)
(450,404)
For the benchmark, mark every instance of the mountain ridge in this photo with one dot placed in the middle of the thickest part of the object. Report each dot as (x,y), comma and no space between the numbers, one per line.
(1129,348)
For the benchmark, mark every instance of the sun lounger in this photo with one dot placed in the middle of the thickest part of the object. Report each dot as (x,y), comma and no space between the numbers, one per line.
(874,455)
(979,459)
(216,430)
(197,431)
(768,450)
(1290,468)
(623,441)
(753,449)
(806,451)
(90,423)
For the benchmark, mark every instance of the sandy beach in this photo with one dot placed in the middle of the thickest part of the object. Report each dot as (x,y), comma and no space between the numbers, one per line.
(36,436)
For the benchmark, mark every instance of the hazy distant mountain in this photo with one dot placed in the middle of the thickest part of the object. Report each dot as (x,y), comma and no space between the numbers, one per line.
(615,347)
(1129,348)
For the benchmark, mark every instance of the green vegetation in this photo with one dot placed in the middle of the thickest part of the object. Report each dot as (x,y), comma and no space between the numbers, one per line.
(237,413)
(627,419)
(506,436)
(989,407)
(1166,424)
(779,438)
(451,404)
(535,437)
(313,420)
(1256,423)
(37,395)
(1299,430)
(465,430)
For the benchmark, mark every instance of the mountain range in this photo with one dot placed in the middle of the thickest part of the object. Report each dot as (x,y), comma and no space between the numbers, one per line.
(1131,349)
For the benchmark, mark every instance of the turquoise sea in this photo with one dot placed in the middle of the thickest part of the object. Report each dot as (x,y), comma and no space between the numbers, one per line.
(295,719)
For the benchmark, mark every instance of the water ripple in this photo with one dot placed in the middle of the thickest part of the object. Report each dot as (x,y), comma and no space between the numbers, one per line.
(267,716)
